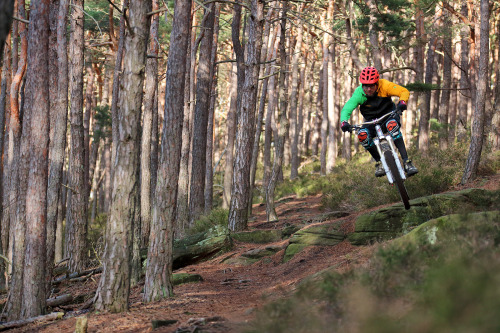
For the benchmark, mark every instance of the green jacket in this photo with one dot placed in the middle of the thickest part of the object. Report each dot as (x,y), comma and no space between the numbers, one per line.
(376,106)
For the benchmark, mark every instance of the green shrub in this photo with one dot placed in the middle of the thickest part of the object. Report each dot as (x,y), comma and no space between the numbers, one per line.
(216,221)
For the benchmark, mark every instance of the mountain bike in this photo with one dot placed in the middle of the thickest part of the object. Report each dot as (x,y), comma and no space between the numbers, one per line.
(388,156)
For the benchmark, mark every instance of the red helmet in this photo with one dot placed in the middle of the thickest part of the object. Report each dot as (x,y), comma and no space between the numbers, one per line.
(369,75)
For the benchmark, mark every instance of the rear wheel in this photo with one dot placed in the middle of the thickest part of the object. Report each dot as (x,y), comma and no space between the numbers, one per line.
(391,163)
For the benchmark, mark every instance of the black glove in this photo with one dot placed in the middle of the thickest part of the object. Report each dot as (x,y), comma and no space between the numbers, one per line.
(345,126)
(401,107)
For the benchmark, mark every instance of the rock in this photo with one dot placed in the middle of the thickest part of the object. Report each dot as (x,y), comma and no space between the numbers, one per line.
(162,323)
(325,234)
(263,252)
(292,250)
(197,248)
(394,221)
(449,228)
(181,278)
(258,236)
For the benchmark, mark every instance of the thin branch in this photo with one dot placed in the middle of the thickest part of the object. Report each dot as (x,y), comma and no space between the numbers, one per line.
(112,4)
(20,19)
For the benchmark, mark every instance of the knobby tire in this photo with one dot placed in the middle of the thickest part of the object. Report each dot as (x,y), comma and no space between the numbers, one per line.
(391,163)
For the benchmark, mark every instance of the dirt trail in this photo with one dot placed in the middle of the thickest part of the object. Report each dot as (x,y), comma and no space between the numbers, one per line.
(229,295)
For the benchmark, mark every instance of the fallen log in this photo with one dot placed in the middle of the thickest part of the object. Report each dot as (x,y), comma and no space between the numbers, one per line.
(60,300)
(40,319)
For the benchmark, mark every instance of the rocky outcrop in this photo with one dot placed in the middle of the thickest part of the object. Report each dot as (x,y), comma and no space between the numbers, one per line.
(394,221)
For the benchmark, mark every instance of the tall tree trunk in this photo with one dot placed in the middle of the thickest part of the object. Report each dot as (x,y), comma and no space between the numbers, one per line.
(150,108)
(333,117)
(203,81)
(76,224)
(183,187)
(294,128)
(373,33)
(17,169)
(58,128)
(114,286)
(266,52)
(324,109)
(37,92)
(158,283)
(423,128)
(209,174)
(464,77)
(283,122)
(444,110)
(268,132)
(238,210)
(477,135)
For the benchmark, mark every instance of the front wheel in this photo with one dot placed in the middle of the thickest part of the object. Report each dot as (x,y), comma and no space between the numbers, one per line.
(391,163)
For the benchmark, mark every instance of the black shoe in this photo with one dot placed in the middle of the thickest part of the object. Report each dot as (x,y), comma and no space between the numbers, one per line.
(410,168)
(379,170)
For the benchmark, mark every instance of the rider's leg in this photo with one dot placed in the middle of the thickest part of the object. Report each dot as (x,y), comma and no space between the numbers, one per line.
(393,127)
(365,136)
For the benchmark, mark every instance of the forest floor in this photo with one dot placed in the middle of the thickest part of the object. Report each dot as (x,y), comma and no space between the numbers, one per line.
(229,295)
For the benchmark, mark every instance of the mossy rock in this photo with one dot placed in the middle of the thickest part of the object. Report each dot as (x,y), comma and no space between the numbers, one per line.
(262,252)
(326,234)
(394,221)
(181,278)
(449,228)
(292,250)
(258,236)
(188,254)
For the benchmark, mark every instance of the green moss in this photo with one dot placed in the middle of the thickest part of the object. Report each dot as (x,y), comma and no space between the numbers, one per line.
(258,236)
(181,278)
(292,250)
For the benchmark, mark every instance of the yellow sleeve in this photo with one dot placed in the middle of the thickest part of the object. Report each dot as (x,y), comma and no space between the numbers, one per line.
(388,88)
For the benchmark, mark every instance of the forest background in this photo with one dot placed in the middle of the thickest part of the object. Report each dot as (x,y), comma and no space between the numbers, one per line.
(142,116)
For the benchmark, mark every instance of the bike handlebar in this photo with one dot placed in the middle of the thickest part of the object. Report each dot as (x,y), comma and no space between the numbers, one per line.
(374,121)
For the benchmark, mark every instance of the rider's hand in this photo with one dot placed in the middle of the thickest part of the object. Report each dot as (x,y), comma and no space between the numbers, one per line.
(345,126)
(401,107)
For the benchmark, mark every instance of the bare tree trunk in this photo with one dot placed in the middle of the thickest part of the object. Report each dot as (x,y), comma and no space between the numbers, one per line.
(204,78)
(231,134)
(423,128)
(464,78)
(333,117)
(150,108)
(37,92)
(267,50)
(375,47)
(294,128)
(58,128)
(183,187)
(324,110)
(268,132)
(209,174)
(444,111)
(114,286)
(238,210)
(158,283)
(283,122)
(477,135)
(18,170)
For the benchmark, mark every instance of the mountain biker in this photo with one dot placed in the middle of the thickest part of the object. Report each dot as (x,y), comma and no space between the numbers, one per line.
(373,97)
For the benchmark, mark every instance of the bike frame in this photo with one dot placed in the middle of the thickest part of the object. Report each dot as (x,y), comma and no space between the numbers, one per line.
(378,141)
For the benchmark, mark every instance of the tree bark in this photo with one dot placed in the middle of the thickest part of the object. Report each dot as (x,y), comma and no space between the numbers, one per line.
(238,210)
(283,122)
(37,91)
(150,108)
(423,128)
(76,224)
(158,283)
(200,122)
(444,109)
(114,286)
(58,128)
(17,161)
(477,135)
(294,128)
